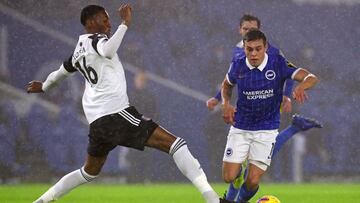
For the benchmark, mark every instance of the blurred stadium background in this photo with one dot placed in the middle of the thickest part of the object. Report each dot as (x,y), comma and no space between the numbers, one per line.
(184,47)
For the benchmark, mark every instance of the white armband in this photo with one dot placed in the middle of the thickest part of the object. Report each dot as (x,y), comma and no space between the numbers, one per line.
(55,77)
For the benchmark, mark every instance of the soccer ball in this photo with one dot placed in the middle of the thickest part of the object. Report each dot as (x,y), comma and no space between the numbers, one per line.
(268,199)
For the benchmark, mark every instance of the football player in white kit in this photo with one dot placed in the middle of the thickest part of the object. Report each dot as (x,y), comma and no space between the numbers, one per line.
(112,120)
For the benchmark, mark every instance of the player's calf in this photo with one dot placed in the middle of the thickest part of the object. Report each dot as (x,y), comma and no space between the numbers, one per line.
(191,168)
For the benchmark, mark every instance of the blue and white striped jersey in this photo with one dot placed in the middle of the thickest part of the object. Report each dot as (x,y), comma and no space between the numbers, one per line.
(238,52)
(260,91)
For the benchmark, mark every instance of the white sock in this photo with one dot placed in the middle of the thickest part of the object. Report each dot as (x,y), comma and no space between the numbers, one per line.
(190,167)
(66,184)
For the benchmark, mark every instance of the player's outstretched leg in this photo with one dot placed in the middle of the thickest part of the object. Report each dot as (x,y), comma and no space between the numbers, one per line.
(299,123)
(187,164)
(73,179)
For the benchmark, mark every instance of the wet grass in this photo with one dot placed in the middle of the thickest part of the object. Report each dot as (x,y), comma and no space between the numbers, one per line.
(181,193)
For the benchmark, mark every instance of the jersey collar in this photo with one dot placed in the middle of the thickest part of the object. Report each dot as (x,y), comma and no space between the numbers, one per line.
(261,66)
(240,44)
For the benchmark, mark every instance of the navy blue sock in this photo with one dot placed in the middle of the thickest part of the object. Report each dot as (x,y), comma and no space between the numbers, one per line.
(283,137)
(232,192)
(245,194)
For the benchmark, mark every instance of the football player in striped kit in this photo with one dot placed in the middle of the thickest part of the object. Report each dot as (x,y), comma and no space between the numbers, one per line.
(259,78)
(105,102)
(299,123)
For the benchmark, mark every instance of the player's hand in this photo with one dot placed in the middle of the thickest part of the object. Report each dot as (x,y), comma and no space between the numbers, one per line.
(34,87)
(299,94)
(228,113)
(125,14)
(286,105)
(211,103)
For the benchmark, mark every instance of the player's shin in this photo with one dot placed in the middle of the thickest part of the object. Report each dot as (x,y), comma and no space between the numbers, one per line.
(246,194)
(234,187)
(191,168)
(65,185)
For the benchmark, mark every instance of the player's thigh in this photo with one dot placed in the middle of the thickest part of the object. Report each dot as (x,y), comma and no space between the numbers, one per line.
(237,146)
(161,139)
(261,148)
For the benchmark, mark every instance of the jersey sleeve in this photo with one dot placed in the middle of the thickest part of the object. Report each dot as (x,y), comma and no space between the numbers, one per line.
(231,74)
(97,39)
(287,71)
(108,47)
(68,65)
(289,83)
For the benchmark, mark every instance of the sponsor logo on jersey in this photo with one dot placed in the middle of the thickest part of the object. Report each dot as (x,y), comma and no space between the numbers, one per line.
(270,74)
(259,94)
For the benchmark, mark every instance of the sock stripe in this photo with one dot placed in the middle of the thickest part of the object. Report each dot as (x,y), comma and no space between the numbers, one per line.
(179,141)
(177,145)
(87,177)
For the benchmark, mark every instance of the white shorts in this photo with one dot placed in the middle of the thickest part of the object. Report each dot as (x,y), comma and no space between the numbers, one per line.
(256,146)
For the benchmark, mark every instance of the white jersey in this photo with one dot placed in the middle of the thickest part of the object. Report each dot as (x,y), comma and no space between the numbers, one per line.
(105,83)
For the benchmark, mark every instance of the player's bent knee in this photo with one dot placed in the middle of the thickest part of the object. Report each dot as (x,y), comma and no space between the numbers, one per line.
(161,139)
(229,177)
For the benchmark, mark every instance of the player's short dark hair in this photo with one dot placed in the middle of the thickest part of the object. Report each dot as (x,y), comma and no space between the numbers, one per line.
(254,34)
(248,17)
(89,12)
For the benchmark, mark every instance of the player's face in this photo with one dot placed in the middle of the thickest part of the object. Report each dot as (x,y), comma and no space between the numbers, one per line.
(255,51)
(246,26)
(102,23)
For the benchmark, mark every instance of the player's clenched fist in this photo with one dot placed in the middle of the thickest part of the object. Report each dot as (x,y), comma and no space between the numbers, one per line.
(34,87)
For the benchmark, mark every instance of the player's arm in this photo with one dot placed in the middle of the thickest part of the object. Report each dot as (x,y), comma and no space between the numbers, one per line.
(108,47)
(212,102)
(286,105)
(307,81)
(52,79)
(227,109)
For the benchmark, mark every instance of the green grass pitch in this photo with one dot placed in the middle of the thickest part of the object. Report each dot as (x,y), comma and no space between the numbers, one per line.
(181,193)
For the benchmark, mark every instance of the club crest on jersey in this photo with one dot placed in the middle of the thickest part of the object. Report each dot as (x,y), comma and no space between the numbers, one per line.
(270,74)
(229,152)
